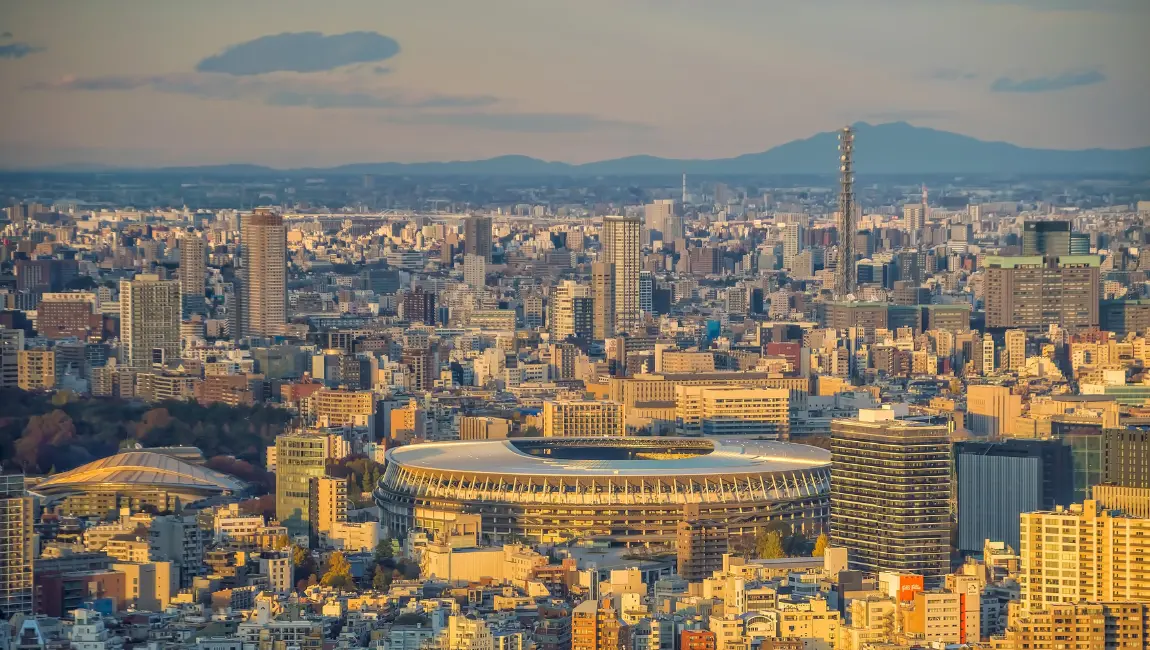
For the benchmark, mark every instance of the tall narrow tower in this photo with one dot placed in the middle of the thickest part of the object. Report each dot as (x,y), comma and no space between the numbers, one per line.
(845,271)
(264,239)
(684,189)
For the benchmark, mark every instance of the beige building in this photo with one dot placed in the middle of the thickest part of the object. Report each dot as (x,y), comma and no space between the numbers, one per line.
(603,293)
(1015,350)
(149,321)
(581,418)
(565,317)
(991,410)
(620,239)
(472,427)
(342,408)
(36,369)
(148,586)
(686,362)
(328,507)
(1083,554)
(728,410)
(264,243)
(810,619)
(937,616)
(1081,626)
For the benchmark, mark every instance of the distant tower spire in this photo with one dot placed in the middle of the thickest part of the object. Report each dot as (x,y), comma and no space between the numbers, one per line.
(684,188)
(845,270)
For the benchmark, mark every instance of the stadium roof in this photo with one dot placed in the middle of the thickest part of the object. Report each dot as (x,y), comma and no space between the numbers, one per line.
(727,456)
(141,468)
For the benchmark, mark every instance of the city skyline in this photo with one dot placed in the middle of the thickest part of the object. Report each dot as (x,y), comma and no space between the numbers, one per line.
(299,87)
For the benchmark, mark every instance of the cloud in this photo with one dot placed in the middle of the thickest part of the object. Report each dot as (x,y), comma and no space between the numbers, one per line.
(952,74)
(300,52)
(6,35)
(522,122)
(271,90)
(1047,84)
(18,50)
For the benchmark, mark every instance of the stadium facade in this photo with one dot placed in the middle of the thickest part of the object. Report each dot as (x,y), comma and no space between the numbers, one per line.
(622,490)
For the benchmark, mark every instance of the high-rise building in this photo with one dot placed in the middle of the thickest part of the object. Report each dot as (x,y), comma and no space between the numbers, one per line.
(193,269)
(646,292)
(11,343)
(149,321)
(793,243)
(1126,457)
(991,410)
(620,241)
(1032,293)
(42,276)
(419,306)
(564,320)
(264,241)
(657,214)
(582,418)
(37,369)
(998,481)
(16,548)
(300,457)
(1048,238)
(700,545)
(423,367)
(477,236)
(890,494)
(328,505)
(1092,626)
(598,626)
(603,293)
(475,271)
(1015,350)
(1083,554)
(69,315)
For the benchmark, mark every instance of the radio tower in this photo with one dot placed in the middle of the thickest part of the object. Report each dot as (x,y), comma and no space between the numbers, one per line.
(845,270)
(684,188)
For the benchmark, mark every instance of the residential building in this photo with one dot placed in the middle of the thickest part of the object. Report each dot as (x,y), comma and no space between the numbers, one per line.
(16,546)
(477,236)
(582,418)
(991,410)
(620,240)
(149,321)
(1032,293)
(264,241)
(36,369)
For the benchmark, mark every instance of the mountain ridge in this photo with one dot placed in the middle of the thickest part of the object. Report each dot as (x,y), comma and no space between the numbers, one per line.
(888,148)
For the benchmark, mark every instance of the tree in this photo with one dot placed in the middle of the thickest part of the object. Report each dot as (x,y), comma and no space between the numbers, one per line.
(382,579)
(769,545)
(299,555)
(383,551)
(820,546)
(338,574)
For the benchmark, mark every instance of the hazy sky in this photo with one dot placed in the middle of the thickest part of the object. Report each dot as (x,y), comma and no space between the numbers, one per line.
(293,83)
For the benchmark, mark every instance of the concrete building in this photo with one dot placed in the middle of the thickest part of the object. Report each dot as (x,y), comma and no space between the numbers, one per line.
(699,546)
(581,418)
(16,531)
(722,411)
(483,428)
(327,508)
(603,294)
(890,494)
(149,321)
(1015,350)
(1032,293)
(475,271)
(1046,238)
(597,626)
(477,236)
(69,315)
(620,239)
(572,311)
(300,457)
(36,369)
(264,241)
(11,343)
(1093,626)
(193,270)
(991,410)
(1083,554)
(1126,457)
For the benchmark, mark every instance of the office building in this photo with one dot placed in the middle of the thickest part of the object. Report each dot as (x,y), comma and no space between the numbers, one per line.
(477,236)
(1124,317)
(603,293)
(991,410)
(582,418)
(149,321)
(480,427)
(36,369)
(620,240)
(656,216)
(343,408)
(45,276)
(300,457)
(1049,238)
(264,241)
(1126,457)
(646,292)
(998,481)
(11,343)
(1083,554)
(16,547)
(1032,293)
(475,271)
(419,307)
(193,269)
(890,494)
(729,410)
(69,315)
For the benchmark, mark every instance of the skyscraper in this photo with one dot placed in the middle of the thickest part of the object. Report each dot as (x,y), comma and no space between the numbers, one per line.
(603,292)
(1046,238)
(656,216)
(621,248)
(474,271)
(792,243)
(845,271)
(477,236)
(149,321)
(193,268)
(564,320)
(300,457)
(264,240)
(16,550)
(646,292)
(890,494)
(419,306)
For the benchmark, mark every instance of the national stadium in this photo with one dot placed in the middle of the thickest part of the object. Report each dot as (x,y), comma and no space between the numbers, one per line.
(618,490)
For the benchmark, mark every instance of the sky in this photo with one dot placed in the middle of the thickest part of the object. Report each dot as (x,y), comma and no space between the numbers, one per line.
(291,83)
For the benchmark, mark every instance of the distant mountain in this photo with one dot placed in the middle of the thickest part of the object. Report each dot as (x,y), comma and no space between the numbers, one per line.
(892,148)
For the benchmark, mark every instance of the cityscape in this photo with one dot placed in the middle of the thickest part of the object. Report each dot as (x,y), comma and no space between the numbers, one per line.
(567,381)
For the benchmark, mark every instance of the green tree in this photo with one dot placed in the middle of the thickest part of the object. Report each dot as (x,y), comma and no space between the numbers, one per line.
(820,546)
(769,545)
(338,574)
(384,551)
(382,579)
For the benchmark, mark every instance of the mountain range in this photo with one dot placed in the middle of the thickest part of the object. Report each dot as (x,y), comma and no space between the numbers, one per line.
(890,148)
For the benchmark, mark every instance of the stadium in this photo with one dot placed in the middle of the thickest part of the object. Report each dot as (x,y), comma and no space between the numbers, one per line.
(159,478)
(625,491)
